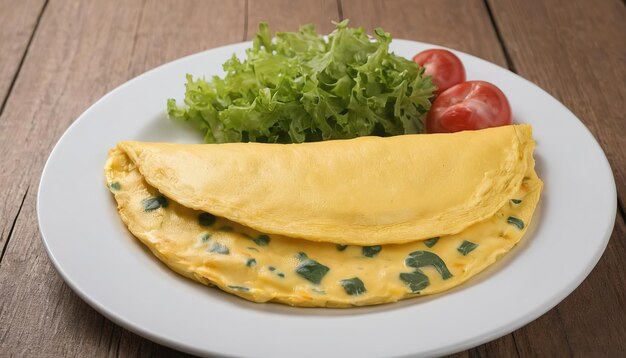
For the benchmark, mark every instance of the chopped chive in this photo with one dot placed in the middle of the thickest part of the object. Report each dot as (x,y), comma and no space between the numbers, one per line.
(416,281)
(220,249)
(273,269)
(371,251)
(312,270)
(262,240)
(205,237)
(515,221)
(431,242)
(353,286)
(115,186)
(301,256)
(341,247)
(516,201)
(466,247)
(239,288)
(418,259)
(163,201)
(206,219)
(151,204)
(251,262)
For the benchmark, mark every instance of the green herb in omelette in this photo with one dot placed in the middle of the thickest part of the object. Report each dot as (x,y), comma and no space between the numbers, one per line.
(300,86)
(262,240)
(220,249)
(466,247)
(206,219)
(416,281)
(341,247)
(419,259)
(311,270)
(371,251)
(155,202)
(353,286)
(251,262)
(431,242)
(516,222)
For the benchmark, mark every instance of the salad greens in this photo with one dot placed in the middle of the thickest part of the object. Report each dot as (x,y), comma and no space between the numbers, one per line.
(301,87)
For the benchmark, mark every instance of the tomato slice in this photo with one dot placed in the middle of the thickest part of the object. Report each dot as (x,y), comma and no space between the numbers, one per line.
(445,69)
(468,106)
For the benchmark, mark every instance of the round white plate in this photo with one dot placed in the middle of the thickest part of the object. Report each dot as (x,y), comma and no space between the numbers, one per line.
(110,270)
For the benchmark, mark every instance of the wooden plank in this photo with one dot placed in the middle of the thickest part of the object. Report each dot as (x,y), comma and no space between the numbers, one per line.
(17,23)
(80,51)
(543,337)
(594,316)
(462,25)
(175,28)
(503,347)
(576,50)
(288,15)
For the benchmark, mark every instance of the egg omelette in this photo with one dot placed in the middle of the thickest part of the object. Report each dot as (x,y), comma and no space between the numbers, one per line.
(330,224)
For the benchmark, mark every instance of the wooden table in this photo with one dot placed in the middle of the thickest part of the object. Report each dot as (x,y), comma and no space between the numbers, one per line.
(59,56)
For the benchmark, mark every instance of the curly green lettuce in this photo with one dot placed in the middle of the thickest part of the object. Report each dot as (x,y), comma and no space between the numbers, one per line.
(300,86)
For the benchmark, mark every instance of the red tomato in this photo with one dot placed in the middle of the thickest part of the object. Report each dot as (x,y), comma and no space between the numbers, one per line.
(467,106)
(443,66)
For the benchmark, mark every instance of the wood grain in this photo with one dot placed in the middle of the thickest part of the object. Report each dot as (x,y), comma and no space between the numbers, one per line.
(288,15)
(462,25)
(594,316)
(172,29)
(80,51)
(577,52)
(17,23)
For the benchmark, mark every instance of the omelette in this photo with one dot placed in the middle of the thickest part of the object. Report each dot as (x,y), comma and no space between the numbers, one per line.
(330,224)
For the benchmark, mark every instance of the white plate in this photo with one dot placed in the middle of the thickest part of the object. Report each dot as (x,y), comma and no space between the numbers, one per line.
(108,268)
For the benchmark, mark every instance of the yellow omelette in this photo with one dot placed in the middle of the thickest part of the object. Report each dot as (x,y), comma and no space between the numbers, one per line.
(330,224)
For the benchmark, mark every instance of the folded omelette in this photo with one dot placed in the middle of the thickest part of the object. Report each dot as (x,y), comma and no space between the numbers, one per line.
(333,224)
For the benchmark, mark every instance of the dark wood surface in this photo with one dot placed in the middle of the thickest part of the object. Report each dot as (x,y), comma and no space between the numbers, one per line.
(59,56)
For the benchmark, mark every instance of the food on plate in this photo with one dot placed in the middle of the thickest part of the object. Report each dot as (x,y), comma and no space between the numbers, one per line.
(444,67)
(301,86)
(302,225)
(362,191)
(468,106)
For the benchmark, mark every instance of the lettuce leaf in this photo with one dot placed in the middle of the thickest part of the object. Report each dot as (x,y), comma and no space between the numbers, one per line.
(300,86)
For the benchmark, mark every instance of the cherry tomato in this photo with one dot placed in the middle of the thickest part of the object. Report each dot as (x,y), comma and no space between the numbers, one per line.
(445,69)
(467,106)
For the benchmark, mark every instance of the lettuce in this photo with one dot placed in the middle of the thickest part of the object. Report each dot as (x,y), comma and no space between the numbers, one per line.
(300,86)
